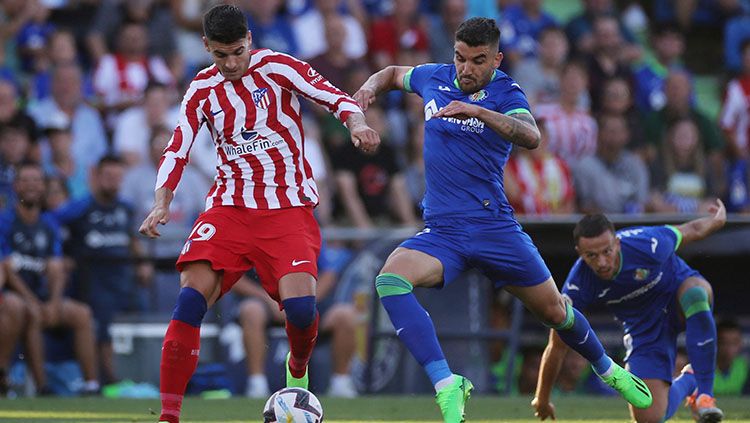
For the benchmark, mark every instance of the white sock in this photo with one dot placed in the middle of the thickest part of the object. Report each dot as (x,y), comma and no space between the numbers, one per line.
(442,383)
(609,370)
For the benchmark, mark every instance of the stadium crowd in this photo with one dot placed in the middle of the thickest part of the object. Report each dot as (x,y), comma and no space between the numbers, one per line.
(89,95)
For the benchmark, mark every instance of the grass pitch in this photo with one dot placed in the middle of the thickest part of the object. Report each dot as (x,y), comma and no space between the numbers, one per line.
(480,409)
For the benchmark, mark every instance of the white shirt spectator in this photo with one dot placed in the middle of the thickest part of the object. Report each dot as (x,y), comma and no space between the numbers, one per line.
(309,30)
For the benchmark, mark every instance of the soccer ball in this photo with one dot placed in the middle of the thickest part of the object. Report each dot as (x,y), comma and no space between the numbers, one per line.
(293,405)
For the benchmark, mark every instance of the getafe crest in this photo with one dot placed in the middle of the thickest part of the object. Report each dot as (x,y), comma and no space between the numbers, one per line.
(641,274)
(478,96)
(260,98)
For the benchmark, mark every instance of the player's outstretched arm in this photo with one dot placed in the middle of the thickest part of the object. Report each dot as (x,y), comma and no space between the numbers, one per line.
(518,128)
(363,137)
(698,229)
(387,79)
(159,213)
(552,361)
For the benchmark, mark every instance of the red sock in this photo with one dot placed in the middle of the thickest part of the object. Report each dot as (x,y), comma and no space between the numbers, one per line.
(301,342)
(179,358)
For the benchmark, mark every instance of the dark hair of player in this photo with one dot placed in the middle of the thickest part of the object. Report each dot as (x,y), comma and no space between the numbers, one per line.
(591,226)
(478,32)
(225,24)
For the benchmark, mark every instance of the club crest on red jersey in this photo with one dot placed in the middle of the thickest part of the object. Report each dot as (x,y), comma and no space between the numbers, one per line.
(261,99)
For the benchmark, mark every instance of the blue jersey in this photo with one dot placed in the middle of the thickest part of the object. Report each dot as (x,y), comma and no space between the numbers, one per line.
(29,248)
(643,289)
(464,159)
(98,231)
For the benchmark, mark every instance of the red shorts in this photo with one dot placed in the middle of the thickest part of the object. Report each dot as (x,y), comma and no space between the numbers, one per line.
(235,239)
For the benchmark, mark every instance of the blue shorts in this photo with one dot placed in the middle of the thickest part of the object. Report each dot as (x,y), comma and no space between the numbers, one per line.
(499,248)
(651,354)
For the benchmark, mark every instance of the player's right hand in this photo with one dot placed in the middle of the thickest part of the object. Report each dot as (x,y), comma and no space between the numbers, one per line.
(159,215)
(364,97)
(542,409)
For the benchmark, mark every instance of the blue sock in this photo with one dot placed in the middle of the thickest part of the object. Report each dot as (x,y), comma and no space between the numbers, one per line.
(682,386)
(700,337)
(413,325)
(577,333)
(190,308)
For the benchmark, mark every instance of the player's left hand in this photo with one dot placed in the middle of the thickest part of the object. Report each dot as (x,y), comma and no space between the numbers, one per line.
(719,212)
(459,110)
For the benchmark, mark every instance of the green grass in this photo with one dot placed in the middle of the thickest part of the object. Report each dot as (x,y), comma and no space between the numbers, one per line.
(481,409)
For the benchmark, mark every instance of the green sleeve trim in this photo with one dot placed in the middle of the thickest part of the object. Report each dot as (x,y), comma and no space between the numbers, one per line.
(678,234)
(516,111)
(407,80)
(389,284)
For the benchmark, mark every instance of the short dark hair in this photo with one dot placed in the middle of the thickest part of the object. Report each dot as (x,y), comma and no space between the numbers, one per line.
(592,225)
(225,24)
(727,323)
(109,159)
(28,163)
(478,32)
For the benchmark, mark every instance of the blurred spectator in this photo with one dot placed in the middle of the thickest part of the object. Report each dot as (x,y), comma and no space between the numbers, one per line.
(120,79)
(520,28)
(614,180)
(414,172)
(732,367)
(14,15)
(104,246)
(189,202)
(57,195)
(15,147)
(10,111)
(269,26)
(112,15)
(538,182)
(735,122)
(618,100)
(703,13)
(60,50)
(539,77)
(678,91)
(188,31)
(309,30)
(669,45)
(61,162)
(680,175)
(33,36)
(571,130)
(736,35)
(532,360)
(610,58)
(371,188)
(134,126)
(257,311)
(580,29)
(442,29)
(397,35)
(30,241)
(89,138)
(334,64)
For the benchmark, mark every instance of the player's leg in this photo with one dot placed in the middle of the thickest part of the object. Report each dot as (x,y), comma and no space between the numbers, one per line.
(253,318)
(695,297)
(77,316)
(405,269)
(548,305)
(656,412)
(682,386)
(200,287)
(11,326)
(340,321)
(297,294)
(34,345)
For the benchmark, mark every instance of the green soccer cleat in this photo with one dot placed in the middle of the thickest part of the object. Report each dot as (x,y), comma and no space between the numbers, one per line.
(452,399)
(632,388)
(293,382)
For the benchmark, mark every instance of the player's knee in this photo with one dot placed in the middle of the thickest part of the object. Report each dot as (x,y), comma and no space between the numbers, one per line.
(300,311)
(191,307)
(558,315)
(694,300)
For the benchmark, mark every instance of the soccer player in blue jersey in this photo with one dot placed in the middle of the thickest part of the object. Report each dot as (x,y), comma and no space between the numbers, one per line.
(636,274)
(473,115)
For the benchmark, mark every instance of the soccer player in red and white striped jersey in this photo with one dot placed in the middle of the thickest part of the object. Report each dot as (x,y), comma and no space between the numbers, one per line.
(259,210)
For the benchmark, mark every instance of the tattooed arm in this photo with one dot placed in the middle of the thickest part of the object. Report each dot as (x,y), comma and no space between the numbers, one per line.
(518,128)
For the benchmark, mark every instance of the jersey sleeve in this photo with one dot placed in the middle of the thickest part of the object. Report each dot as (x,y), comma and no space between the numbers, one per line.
(577,287)
(177,153)
(70,211)
(514,100)
(300,77)
(663,241)
(416,78)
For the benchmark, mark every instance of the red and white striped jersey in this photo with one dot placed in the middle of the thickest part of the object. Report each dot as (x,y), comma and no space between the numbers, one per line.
(256,126)
(572,136)
(735,113)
